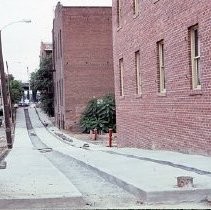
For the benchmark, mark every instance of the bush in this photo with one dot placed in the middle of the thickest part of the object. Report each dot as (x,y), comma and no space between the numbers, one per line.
(100,114)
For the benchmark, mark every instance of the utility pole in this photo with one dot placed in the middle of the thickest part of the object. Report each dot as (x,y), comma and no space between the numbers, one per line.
(10,100)
(5,100)
(4,88)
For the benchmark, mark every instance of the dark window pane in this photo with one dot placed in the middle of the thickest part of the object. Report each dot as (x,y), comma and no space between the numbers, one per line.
(196,42)
(198,73)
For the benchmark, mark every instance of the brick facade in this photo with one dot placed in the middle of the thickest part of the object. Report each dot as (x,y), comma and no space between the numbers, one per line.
(180,118)
(83,60)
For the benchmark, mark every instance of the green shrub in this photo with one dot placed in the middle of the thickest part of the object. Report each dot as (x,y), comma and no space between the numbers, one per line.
(100,114)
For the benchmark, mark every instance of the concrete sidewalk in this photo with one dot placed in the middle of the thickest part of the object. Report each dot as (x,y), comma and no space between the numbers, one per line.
(199,162)
(30,177)
(150,181)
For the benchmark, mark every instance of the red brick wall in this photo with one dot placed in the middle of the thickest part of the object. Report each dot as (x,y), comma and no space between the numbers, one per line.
(59,73)
(181,120)
(87,59)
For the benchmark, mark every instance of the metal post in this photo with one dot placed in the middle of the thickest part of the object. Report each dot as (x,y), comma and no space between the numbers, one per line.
(5,100)
(29,82)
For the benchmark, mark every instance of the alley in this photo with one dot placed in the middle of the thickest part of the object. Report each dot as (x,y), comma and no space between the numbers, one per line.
(45,172)
(35,179)
(105,104)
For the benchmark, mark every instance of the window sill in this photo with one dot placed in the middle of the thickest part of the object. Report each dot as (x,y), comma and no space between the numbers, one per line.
(135,16)
(121,97)
(196,92)
(119,28)
(161,94)
(155,1)
(138,96)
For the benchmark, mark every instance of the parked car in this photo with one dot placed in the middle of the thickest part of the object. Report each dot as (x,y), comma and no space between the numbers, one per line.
(15,105)
(24,103)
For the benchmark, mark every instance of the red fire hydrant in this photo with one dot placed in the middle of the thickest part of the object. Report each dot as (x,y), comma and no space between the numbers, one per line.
(110,137)
(95,134)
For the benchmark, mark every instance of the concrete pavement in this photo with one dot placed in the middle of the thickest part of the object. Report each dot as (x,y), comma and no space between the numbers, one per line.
(150,181)
(3,144)
(199,162)
(30,177)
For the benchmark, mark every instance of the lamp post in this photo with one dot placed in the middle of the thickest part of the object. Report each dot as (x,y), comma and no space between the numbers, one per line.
(4,89)
(28,74)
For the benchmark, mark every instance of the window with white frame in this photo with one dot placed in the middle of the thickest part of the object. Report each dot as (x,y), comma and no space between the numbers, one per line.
(137,68)
(60,42)
(195,57)
(118,8)
(136,7)
(161,67)
(58,45)
(121,76)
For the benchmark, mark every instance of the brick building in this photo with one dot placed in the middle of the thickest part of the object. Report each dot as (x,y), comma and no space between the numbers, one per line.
(45,50)
(162,65)
(83,60)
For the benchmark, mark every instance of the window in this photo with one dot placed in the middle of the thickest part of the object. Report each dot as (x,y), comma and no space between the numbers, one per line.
(58,52)
(60,92)
(55,98)
(55,49)
(121,76)
(195,57)
(136,7)
(161,67)
(137,68)
(155,1)
(60,41)
(118,7)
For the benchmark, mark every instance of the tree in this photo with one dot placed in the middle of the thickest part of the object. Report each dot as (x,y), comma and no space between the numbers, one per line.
(16,90)
(33,86)
(42,80)
(100,114)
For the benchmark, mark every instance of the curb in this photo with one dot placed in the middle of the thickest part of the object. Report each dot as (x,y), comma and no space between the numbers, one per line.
(168,197)
(43,203)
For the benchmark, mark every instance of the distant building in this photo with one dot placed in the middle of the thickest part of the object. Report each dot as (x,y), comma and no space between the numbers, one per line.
(83,60)
(162,65)
(45,50)
(1,98)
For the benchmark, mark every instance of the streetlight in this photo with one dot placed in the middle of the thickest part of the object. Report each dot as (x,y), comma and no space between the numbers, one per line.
(4,89)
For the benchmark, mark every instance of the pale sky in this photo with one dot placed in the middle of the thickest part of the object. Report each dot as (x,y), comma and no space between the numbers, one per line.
(21,41)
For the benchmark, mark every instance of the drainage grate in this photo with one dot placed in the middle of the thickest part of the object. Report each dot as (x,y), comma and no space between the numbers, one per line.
(44,150)
(62,136)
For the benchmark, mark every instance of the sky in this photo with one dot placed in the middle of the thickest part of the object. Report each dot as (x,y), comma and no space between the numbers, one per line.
(21,41)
